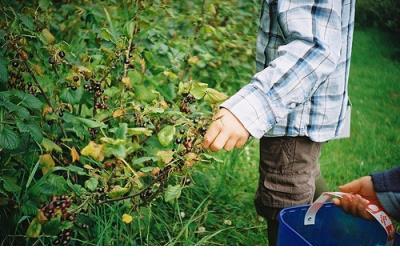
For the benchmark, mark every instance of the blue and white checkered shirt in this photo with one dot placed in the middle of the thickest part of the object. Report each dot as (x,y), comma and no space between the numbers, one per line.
(303,59)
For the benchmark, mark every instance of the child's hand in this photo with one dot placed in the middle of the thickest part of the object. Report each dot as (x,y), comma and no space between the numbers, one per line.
(360,193)
(225,132)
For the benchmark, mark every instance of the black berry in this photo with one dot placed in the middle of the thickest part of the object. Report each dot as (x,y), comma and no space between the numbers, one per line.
(52,60)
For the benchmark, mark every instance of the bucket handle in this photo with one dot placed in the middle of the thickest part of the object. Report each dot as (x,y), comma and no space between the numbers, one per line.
(375,210)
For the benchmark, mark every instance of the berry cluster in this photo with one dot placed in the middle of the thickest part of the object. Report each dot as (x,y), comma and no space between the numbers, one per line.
(58,206)
(93,132)
(54,59)
(98,92)
(146,194)
(187,99)
(63,238)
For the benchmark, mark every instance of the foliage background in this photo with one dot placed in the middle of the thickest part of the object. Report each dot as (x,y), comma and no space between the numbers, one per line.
(217,208)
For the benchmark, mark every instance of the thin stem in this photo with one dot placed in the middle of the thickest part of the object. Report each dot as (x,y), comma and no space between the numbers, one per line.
(44,95)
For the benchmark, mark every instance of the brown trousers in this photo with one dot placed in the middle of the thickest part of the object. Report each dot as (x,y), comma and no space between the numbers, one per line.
(289,167)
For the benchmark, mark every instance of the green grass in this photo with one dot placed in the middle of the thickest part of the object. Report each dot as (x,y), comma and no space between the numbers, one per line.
(224,192)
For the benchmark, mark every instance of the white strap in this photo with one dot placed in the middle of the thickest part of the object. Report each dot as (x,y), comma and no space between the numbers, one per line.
(376,212)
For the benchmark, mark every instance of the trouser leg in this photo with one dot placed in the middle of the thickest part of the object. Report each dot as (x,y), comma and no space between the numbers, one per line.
(289,167)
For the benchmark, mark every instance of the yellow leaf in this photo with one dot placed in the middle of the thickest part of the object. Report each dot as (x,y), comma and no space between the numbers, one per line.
(48,36)
(83,70)
(88,167)
(143,65)
(37,69)
(74,155)
(126,218)
(165,156)
(127,82)
(163,104)
(41,217)
(118,113)
(170,75)
(214,96)
(94,150)
(193,60)
(46,110)
(46,162)
(190,159)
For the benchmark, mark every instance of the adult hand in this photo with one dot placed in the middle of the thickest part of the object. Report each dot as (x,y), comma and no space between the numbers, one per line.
(360,193)
(226,131)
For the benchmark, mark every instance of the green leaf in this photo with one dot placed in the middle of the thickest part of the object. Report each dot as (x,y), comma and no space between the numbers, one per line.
(166,135)
(50,146)
(20,111)
(172,193)
(44,4)
(32,128)
(106,35)
(129,26)
(52,227)
(91,184)
(145,94)
(49,185)
(27,21)
(117,191)
(91,123)
(121,131)
(198,90)
(3,70)
(139,131)
(8,138)
(29,101)
(76,188)
(135,77)
(211,157)
(71,96)
(118,150)
(141,160)
(214,96)
(146,169)
(34,229)
(10,185)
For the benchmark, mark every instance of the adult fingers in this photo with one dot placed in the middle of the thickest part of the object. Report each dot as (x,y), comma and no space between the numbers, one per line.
(219,141)
(336,201)
(362,209)
(351,187)
(346,203)
(211,134)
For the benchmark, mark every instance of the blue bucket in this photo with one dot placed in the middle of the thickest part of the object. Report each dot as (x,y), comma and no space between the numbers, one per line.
(333,227)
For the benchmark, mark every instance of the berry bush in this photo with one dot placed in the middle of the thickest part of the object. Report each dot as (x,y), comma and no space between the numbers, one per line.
(107,101)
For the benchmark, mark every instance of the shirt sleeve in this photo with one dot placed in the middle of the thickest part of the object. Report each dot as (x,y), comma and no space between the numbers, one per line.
(387,181)
(391,203)
(387,187)
(312,34)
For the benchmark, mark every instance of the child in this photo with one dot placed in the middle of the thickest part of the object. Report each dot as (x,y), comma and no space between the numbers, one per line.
(297,100)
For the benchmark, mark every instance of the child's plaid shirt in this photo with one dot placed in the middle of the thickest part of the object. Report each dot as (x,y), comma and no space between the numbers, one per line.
(303,59)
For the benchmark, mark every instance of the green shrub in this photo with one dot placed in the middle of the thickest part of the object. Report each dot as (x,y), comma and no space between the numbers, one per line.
(384,13)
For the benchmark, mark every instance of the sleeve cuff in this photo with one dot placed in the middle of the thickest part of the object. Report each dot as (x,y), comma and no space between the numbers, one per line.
(253,109)
(390,202)
(387,181)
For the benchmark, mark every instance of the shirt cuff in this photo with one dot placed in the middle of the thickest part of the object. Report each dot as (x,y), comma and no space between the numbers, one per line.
(253,109)
(387,181)
(390,202)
